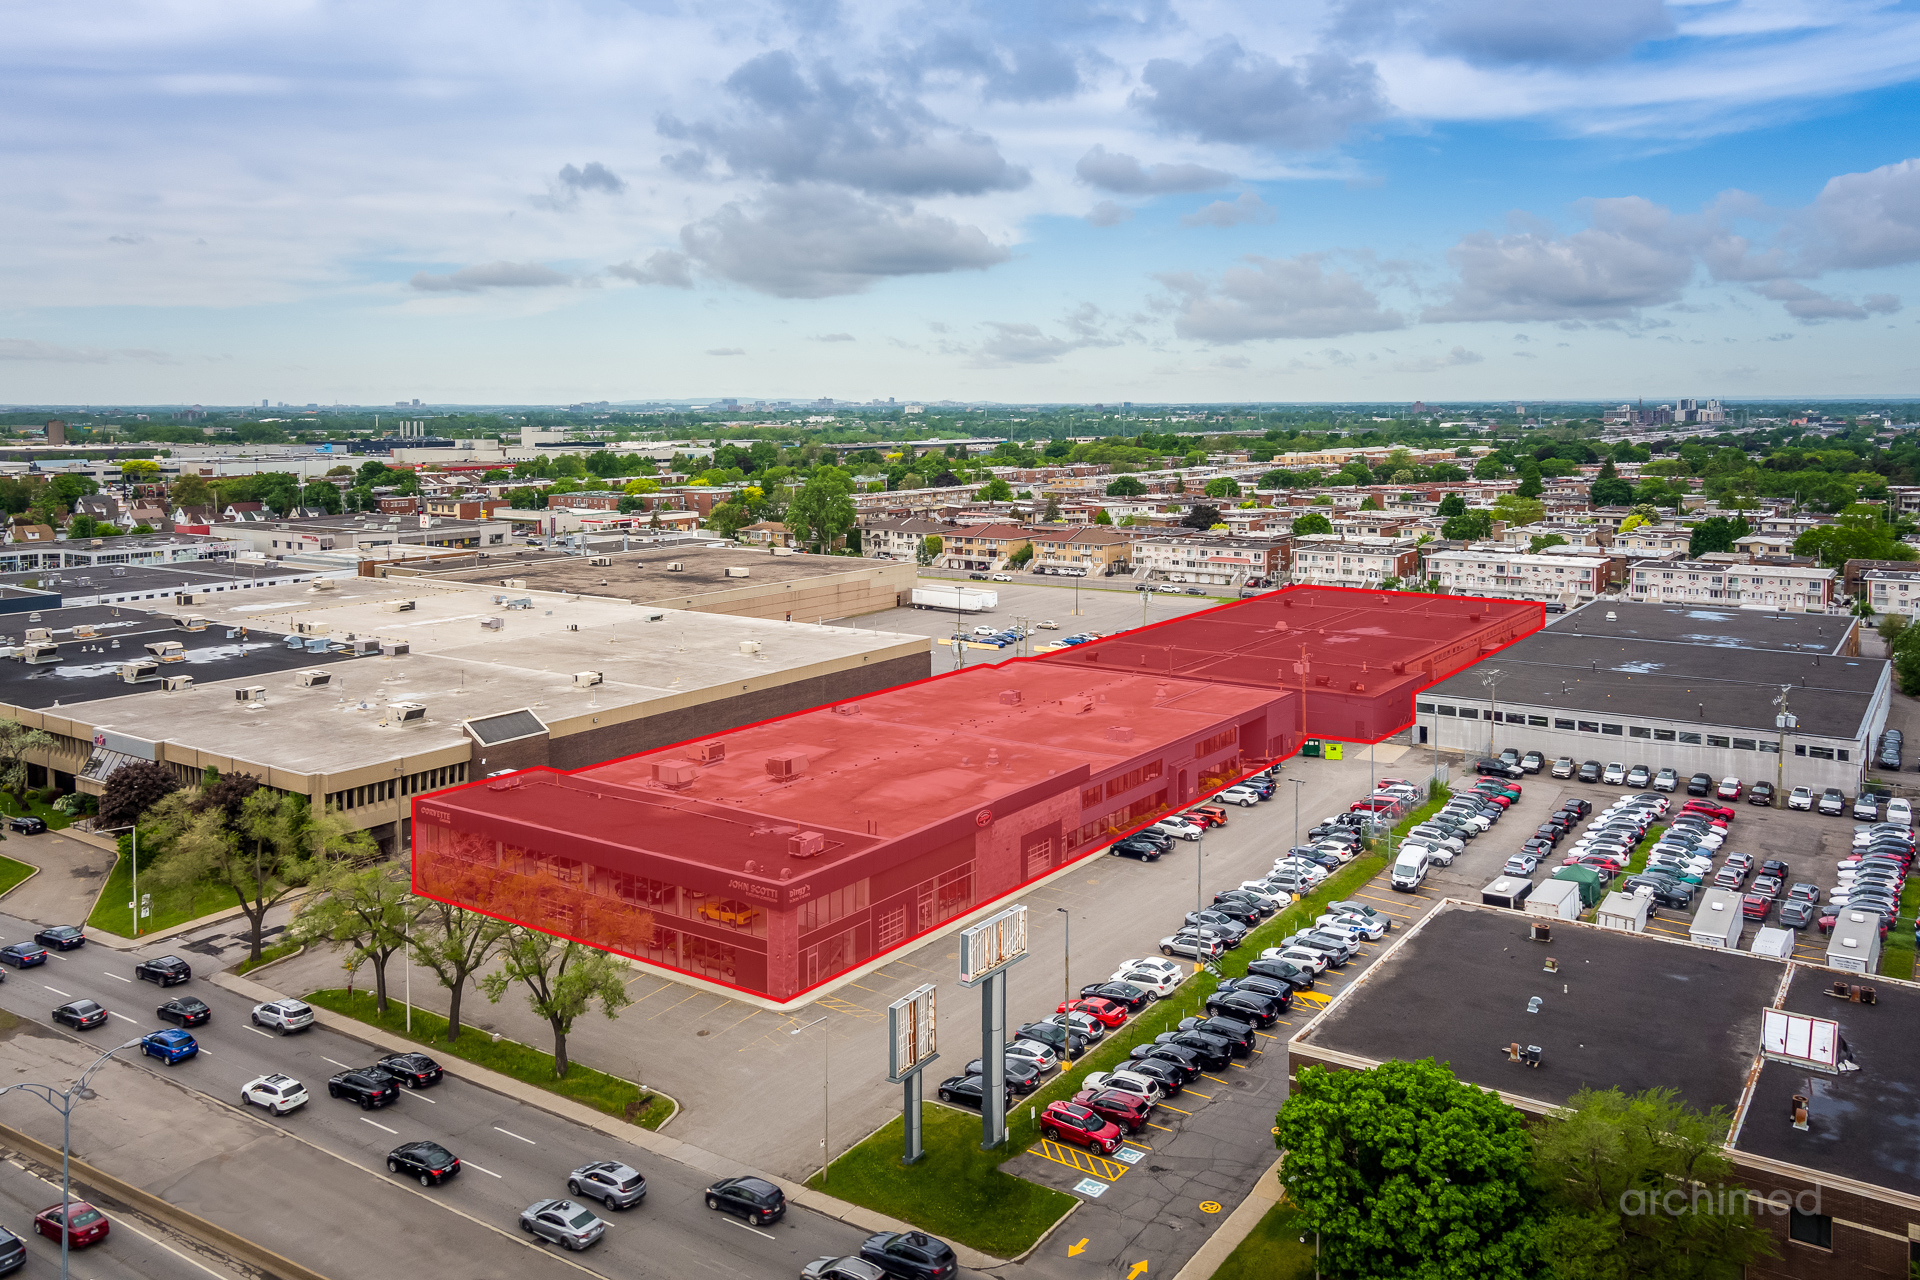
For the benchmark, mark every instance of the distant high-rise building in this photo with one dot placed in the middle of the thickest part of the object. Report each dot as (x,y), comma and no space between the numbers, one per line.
(264,405)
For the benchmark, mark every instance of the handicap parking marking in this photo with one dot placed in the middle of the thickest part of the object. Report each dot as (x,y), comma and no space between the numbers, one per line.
(1075,1158)
(1089,1187)
(1127,1155)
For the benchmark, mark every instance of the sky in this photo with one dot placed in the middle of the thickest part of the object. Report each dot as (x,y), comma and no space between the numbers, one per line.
(1146,200)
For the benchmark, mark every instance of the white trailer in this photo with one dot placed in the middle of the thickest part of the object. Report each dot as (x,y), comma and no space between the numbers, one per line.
(1625,911)
(1718,922)
(1557,898)
(955,599)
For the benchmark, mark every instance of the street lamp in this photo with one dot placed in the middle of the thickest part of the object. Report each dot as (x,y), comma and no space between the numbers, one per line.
(1491,680)
(1066,957)
(135,904)
(826,1095)
(1297,782)
(62,1100)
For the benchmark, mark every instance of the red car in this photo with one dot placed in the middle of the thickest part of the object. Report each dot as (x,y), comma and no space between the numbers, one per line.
(88,1224)
(1127,1110)
(1721,812)
(1214,813)
(1202,818)
(1830,915)
(1071,1122)
(1111,1013)
(1754,906)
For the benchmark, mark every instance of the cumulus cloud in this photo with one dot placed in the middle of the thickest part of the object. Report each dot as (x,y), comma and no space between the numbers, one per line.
(663,266)
(595,177)
(1231,213)
(1632,256)
(1506,32)
(1276,298)
(1235,95)
(1109,214)
(1867,219)
(491,275)
(1432,364)
(1032,70)
(1018,343)
(1122,174)
(1810,306)
(814,242)
(795,124)
(29,351)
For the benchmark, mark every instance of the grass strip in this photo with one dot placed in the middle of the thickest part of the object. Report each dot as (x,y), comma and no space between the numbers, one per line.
(167,907)
(12,873)
(278,951)
(1272,1251)
(1897,950)
(34,807)
(609,1094)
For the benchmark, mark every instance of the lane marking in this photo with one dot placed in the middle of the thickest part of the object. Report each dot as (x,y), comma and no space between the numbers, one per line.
(57,991)
(468,1164)
(1215,1079)
(335,1061)
(376,1124)
(1169,1106)
(511,1134)
(269,1035)
(1196,1094)
(1162,1128)
(123,1017)
(743,1226)
(116,977)
(423,1098)
(127,1224)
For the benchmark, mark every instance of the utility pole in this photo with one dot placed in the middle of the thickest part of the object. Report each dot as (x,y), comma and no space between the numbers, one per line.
(1783,721)
(1491,679)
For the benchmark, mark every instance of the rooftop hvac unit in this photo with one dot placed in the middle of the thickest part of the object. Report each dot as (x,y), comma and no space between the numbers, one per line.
(493,624)
(185,597)
(176,684)
(319,644)
(601,562)
(806,844)
(135,672)
(673,566)
(749,646)
(1010,697)
(168,650)
(676,774)
(85,631)
(655,616)
(585,679)
(517,584)
(785,551)
(395,648)
(38,635)
(407,712)
(325,584)
(250,693)
(313,679)
(710,752)
(363,646)
(401,606)
(523,602)
(1120,733)
(786,764)
(189,622)
(293,642)
(305,628)
(737,571)
(119,571)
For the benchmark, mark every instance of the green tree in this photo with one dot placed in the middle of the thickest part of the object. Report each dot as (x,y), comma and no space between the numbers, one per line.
(1406,1172)
(1530,486)
(1890,628)
(367,910)
(1452,505)
(996,490)
(17,742)
(1312,522)
(1619,1174)
(726,519)
(563,980)
(455,944)
(1468,526)
(929,549)
(1860,533)
(132,789)
(822,512)
(1222,487)
(84,526)
(1540,542)
(1100,516)
(1022,556)
(1516,510)
(1052,513)
(1201,516)
(1609,490)
(1716,533)
(1489,468)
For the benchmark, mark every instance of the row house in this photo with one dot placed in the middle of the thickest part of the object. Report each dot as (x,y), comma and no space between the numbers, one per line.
(1652,541)
(1801,588)
(895,539)
(1096,551)
(982,546)
(1216,561)
(1562,580)
(1331,560)
(1891,590)
(1853,572)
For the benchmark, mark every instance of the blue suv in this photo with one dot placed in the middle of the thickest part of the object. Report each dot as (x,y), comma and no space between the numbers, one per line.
(170,1045)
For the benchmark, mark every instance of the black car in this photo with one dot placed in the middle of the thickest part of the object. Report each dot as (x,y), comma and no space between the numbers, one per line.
(81,1015)
(1498,768)
(1283,971)
(1237,1034)
(1119,992)
(909,1255)
(1700,784)
(1241,900)
(1273,988)
(369,1086)
(1169,1076)
(1575,804)
(1213,1052)
(61,937)
(1182,1059)
(413,1070)
(966,1091)
(13,1252)
(165,970)
(23,955)
(1664,892)
(1223,912)
(1135,847)
(1760,793)
(1248,1006)
(430,1162)
(1589,772)
(26,825)
(1055,1037)
(187,1011)
(1023,1076)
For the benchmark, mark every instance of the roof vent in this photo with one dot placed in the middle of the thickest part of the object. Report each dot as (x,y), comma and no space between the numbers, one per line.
(1115,733)
(846,708)
(806,844)
(250,693)
(407,712)
(749,647)
(313,679)
(676,775)
(786,764)
(737,571)
(1612,616)
(1010,697)
(710,752)
(601,562)
(586,679)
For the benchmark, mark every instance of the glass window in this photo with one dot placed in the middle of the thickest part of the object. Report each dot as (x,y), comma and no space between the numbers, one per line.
(1718,740)
(1841,754)
(1612,730)
(1468,713)
(1820,753)
(1589,726)
(1562,724)
(1538,722)
(1799,748)
(1692,739)
(1768,745)
(1639,731)
(1815,1229)
(1663,735)
(1424,708)
(1744,744)
(1444,709)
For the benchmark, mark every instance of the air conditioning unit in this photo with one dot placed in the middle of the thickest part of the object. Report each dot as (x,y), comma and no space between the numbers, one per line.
(806,844)
(407,712)
(710,752)
(655,616)
(363,646)
(785,551)
(737,571)
(305,628)
(585,679)
(401,606)
(749,647)
(677,774)
(313,679)
(168,650)
(673,566)
(786,764)
(325,584)
(189,622)
(185,597)
(516,584)
(176,684)
(135,672)
(39,635)
(250,693)
(493,624)
(84,631)
(601,562)
(395,648)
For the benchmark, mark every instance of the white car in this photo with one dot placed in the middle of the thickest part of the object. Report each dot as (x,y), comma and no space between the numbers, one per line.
(277,1093)
(1434,835)
(1371,930)
(1435,852)
(1040,1055)
(1154,964)
(1002,577)
(1154,983)
(1178,827)
(1245,797)
(1125,1081)
(1188,943)
(1800,798)
(1614,774)
(284,1015)
(1305,957)
(1311,872)
(1900,811)
(1261,891)
(986,631)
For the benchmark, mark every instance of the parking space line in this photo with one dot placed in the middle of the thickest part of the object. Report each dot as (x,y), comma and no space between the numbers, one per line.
(123,1017)
(1162,1128)
(1215,1079)
(1241,1065)
(1171,1107)
(269,1035)
(336,1062)
(1074,1158)
(1265,1036)
(1195,1094)
(376,1124)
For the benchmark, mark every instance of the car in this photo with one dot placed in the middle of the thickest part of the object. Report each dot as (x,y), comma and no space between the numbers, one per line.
(1248,1006)
(1047,624)
(1797,914)
(1562,767)
(1830,915)
(909,1255)
(1700,784)
(1589,772)
(1372,928)
(1729,789)
(832,1268)
(1213,813)
(81,1223)
(1755,906)
(1127,1080)
(1900,811)
(1639,777)
(13,1252)
(26,825)
(61,937)
(1179,828)
(1154,982)
(1866,807)
(411,1070)
(977,577)
(168,971)
(1744,861)
(1245,797)
(611,1182)
(185,1011)
(1129,997)
(1080,1125)
(1239,1035)
(1054,1036)
(1125,1111)
(563,1222)
(369,1086)
(1666,780)
(1022,1075)
(1296,976)
(81,1015)
(1521,864)
(1774,867)
(1614,774)
(1800,798)
(1000,577)
(1761,793)
(1192,945)
(967,1091)
(1728,878)
(1040,1055)
(1532,762)
(1664,893)
(1305,957)
(1151,964)
(285,1015)
(279,1094)
(428,1161)
(170,1045)
(23,955)
(1135,846)
(1832,803)
(1212,1053)
(1767,887)
(1498,768)
(1804,892)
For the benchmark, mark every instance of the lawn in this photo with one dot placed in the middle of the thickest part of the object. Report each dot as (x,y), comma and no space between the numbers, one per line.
(1896,953)
(169,907)
(12,873)
(596,1089)
(1273,1251)
(278,951)
(54,819)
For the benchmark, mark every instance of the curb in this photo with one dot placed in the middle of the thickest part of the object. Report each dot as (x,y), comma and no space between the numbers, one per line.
(29,877)
(649,1140)
(261,968)
(1239,1225)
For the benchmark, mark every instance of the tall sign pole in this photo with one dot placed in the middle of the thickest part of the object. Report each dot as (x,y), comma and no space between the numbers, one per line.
(987,951)
(912,1043)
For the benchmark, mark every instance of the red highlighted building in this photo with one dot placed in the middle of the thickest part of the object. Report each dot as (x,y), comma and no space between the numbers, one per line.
(773,858)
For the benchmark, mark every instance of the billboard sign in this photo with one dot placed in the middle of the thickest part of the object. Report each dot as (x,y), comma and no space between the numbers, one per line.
(912,1032)
(992,945)
(1802,1041)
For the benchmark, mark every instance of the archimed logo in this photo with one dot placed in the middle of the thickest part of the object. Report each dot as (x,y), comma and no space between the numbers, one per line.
(1718,1201)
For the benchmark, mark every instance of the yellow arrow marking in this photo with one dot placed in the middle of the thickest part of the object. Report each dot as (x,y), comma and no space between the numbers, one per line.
(1074,1250)
(1138,1268)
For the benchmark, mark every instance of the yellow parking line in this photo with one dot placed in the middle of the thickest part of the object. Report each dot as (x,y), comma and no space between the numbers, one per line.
(1243,1066)
(1265,1036)
(1162,1128)
(1173,1108)
(1193,1093)
(1215,1079)
(1074,1158)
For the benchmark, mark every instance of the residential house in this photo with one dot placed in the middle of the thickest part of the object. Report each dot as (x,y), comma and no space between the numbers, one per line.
(767,533)
(890,538)
(1095,551)
(1566,580)
(1211,559)
(1890,590)
(1332,560)
(982,546)
(1799,588)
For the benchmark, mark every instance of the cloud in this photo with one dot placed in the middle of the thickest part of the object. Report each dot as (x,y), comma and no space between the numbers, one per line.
(1867,219)
(1810,306)
(595,177)
(814,242)
(1507,32)
(1231,213)
(492,275)
(726,351)
(1017,343)
(1034,70)
(1453,359)
(1109,214)
(128,237)
(29,351)
(664,267)
(1632,256)
(1122,174)
(1276,298)
(793,125)
(833,337)
(1233,95)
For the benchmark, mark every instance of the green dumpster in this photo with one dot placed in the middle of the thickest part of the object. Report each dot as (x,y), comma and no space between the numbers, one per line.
(1311,748)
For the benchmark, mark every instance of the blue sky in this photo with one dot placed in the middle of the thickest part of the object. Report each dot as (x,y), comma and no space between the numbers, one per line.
(1363,199)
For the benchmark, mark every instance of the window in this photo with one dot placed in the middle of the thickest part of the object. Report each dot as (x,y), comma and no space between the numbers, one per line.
(1744,744)
(1639,731)
(1589,726)
(1612,730)
(1800,748)
(1663,735)
(1538,722)
(1841,754)
(1424,708)
(1768,745)
(1815,1229)
(1135,777)
(1718,740)
(1820,753)
(1206,747)
(1445,710)
(1468,713)
(1562,724)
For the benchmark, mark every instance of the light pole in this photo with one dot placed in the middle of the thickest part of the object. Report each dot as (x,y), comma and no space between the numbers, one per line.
(135,904)
(1784,721)
(826,1094)
(1491,680)
(1298,783)
(62,1100)
(1199,894)
(1066,959)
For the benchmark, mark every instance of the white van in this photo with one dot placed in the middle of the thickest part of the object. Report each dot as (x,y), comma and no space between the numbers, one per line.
(1409,869)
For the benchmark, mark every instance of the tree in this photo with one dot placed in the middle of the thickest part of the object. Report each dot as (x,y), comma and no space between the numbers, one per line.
(1311,523)
(1468,526)
(1201,516)
(1452,505)
(17,742)
(1540,542)
(1890,628)
(191,491)
(1619,1173)
(1125,487)
(996,490)
(1516,510)
(727,518)
(1371,503)
(1859,534)
(1222,487)
(364,909)
(83,526)
(1100,516)
(563,979)
(324,495)
(1716,533)
(1609,490)
(1404,1171)
(139,471)
(929,549)
(1052,513)
(1530,486)
(1489,468)
(455,944)
(822,512)
(132,789)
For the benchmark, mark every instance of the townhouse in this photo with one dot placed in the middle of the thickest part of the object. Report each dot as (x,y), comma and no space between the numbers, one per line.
(1800,588)
(1330,560)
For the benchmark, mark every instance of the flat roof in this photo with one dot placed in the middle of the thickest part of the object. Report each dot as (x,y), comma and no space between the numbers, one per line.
(1723,627)
(642,576)
(139,579)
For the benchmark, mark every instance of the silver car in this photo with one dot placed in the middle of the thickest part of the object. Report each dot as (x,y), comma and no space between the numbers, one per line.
(1041,1056)
(563,1222)
(613,1184)
(841,1269)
